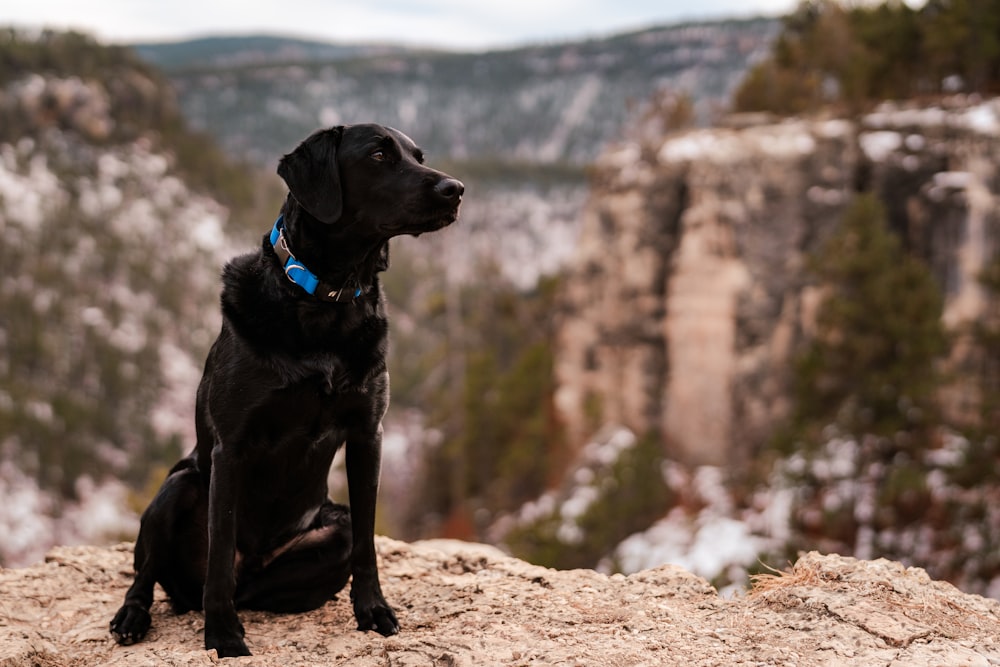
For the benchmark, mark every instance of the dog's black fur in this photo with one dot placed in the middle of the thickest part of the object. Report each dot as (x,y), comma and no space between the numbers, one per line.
(244,520)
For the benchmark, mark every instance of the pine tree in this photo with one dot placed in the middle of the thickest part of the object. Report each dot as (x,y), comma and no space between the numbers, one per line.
(851,55)
(872,365)
(987,336)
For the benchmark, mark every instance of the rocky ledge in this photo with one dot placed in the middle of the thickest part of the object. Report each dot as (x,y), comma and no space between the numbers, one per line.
(468,604)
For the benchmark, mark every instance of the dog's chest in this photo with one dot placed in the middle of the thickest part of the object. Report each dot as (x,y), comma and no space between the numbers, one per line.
(325,373)
(322,401)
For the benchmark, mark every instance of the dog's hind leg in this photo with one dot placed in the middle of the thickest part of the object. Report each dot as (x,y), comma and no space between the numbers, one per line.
(155,550)
(305,572)
(182,573)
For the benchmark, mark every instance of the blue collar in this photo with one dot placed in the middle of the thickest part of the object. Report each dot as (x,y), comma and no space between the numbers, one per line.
(303,277)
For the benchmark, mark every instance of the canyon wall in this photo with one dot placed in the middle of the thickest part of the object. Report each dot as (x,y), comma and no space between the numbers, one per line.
(689,292)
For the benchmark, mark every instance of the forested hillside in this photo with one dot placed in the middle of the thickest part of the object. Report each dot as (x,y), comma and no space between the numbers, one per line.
(115,222)
(849,56)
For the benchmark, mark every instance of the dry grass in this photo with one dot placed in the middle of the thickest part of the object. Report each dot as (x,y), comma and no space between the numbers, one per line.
(824,585)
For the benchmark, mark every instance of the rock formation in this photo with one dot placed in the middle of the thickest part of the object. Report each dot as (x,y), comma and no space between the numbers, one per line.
(689,292)
(466,604)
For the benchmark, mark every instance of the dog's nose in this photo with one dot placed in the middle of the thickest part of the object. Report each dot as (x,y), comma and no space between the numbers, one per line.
(450,188)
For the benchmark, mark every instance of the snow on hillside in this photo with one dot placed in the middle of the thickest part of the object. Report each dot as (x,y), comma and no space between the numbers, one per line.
(110,274)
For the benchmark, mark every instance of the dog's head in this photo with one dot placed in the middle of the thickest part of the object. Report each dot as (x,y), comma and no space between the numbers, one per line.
(372,175)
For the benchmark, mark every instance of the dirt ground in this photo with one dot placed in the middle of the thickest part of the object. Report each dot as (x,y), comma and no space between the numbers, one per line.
(467,604)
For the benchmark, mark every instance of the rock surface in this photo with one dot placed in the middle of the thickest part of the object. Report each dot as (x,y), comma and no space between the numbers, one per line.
(689,291)
(468,604)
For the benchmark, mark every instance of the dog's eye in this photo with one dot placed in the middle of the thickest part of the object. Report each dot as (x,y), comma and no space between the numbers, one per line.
(378,156)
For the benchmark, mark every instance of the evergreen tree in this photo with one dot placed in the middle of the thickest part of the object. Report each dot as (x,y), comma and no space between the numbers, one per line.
(500,439)
(871,369)
(962,39)
(986,333)
(853,55)
(887,477)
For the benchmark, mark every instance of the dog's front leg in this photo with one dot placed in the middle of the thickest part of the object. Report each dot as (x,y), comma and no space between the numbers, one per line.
(223,630)
(364,460)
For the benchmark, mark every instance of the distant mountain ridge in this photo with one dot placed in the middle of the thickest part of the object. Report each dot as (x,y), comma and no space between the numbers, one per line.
(241,50)
(518,126)
(546,104)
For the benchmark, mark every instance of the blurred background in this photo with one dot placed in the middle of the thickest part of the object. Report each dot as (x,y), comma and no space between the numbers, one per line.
(724,287)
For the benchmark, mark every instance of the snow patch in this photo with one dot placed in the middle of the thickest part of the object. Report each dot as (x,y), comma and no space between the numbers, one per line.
(206,233)
(32,521)
(958,180)
(981,118)
(984,119)
(28,195)
(174,414)
(878,146)
(716,541)
(784,141)
(708,545)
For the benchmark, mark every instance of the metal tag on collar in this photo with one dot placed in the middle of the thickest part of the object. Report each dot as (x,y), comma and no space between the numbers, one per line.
(292,266)
(337,293)
(301,276)
(290,263)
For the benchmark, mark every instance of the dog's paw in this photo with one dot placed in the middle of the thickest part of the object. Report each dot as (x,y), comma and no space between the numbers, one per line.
(229,647)
(227,644)
(130,624)
(225,634)
(378,617)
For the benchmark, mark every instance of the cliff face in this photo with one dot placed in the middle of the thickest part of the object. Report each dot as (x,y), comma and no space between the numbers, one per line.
(689,292)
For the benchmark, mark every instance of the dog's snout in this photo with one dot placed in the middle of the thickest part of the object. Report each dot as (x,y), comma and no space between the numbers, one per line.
(450,188)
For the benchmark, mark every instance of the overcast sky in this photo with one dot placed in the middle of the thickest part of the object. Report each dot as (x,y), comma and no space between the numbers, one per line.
(458,24)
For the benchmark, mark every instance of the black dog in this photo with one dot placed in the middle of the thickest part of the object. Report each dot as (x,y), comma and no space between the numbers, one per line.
(298,370)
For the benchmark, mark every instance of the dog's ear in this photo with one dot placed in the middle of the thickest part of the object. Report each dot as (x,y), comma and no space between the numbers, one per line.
(310,172)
